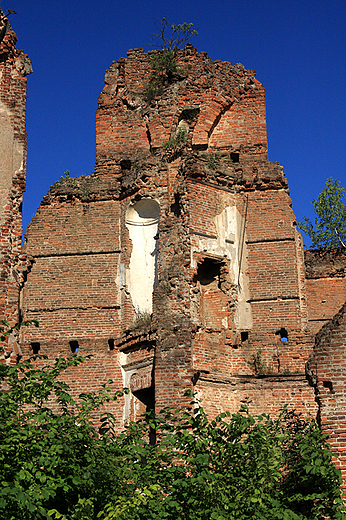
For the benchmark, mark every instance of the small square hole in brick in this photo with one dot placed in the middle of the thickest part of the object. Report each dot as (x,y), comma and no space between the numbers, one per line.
(283,334)
(208,271)
(244,336)
(74,346)
(35,347)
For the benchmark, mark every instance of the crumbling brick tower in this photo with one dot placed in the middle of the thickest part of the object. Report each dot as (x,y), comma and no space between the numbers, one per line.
(178,263)
(14,66)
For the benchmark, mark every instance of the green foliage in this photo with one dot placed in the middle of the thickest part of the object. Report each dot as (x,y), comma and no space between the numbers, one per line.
(55,464)
(64,177)
(164,70)
(7,330)
(153,88)
(330,220)
(177,142)
(258,363)
(179,35)
(53,460)
(84,184)
(212,161)
(163,64)
(234,467)
(143,320)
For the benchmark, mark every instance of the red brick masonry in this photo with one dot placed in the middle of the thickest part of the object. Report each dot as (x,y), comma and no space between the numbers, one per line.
(234,306)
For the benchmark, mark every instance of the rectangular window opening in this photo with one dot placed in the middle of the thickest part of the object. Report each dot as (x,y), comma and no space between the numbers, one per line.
(244,336)
(35,347)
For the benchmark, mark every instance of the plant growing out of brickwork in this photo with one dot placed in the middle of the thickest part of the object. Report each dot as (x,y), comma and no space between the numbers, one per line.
(143,320)
(176,142)
(164,71)
(81,186)
(212,161)
(177,37)
(64,177)
(152,89)
(258,363)
(168,39)
(330,221)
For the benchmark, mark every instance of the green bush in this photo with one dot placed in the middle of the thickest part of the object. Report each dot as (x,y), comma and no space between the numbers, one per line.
(55,464)
(234,467)
(53,459)
(163,64)
(178,141)
(177,37)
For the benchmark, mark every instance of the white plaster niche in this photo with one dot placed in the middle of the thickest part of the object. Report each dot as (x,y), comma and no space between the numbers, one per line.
(142,220)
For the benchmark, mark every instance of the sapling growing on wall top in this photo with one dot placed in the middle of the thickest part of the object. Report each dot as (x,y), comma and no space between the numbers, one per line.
(179,35)
(164,67)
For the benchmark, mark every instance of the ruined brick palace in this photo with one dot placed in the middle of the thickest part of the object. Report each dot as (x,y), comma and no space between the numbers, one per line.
(178,263)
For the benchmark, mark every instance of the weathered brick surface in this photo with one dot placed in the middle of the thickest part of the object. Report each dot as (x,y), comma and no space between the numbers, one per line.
(14,66)
(325,284)
(273,261)
(235,306)
(224,94)
(53,230)
(243,125)
(325,297)
(88,376)
(326,369)
(270,217)
(71,324)
(230,299)
(95,273)
(263,393)
(325,263)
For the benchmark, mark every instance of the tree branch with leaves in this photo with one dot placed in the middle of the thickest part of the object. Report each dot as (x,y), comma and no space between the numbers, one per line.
(168,39)
(329,229)
(177,39)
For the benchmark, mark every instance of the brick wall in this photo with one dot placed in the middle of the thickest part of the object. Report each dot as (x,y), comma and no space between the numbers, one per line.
(326,369)
(14,66)
(225,96)
(224,353)
(72,284)
(325,271)
(229,305)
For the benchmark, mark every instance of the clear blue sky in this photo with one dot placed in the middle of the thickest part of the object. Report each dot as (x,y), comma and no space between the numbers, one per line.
(297,48)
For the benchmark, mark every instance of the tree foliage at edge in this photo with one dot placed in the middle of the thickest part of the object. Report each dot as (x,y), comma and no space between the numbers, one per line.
(329,229)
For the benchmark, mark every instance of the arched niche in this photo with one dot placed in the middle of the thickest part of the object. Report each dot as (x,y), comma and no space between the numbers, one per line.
(142,220)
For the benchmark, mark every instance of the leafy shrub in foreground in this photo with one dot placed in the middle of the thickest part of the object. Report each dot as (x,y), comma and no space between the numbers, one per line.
(234,467)
(54,464)
(51,459)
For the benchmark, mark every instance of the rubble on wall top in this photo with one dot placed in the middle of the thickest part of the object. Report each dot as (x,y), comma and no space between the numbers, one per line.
(8,51)
(147,172)
(325,262)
